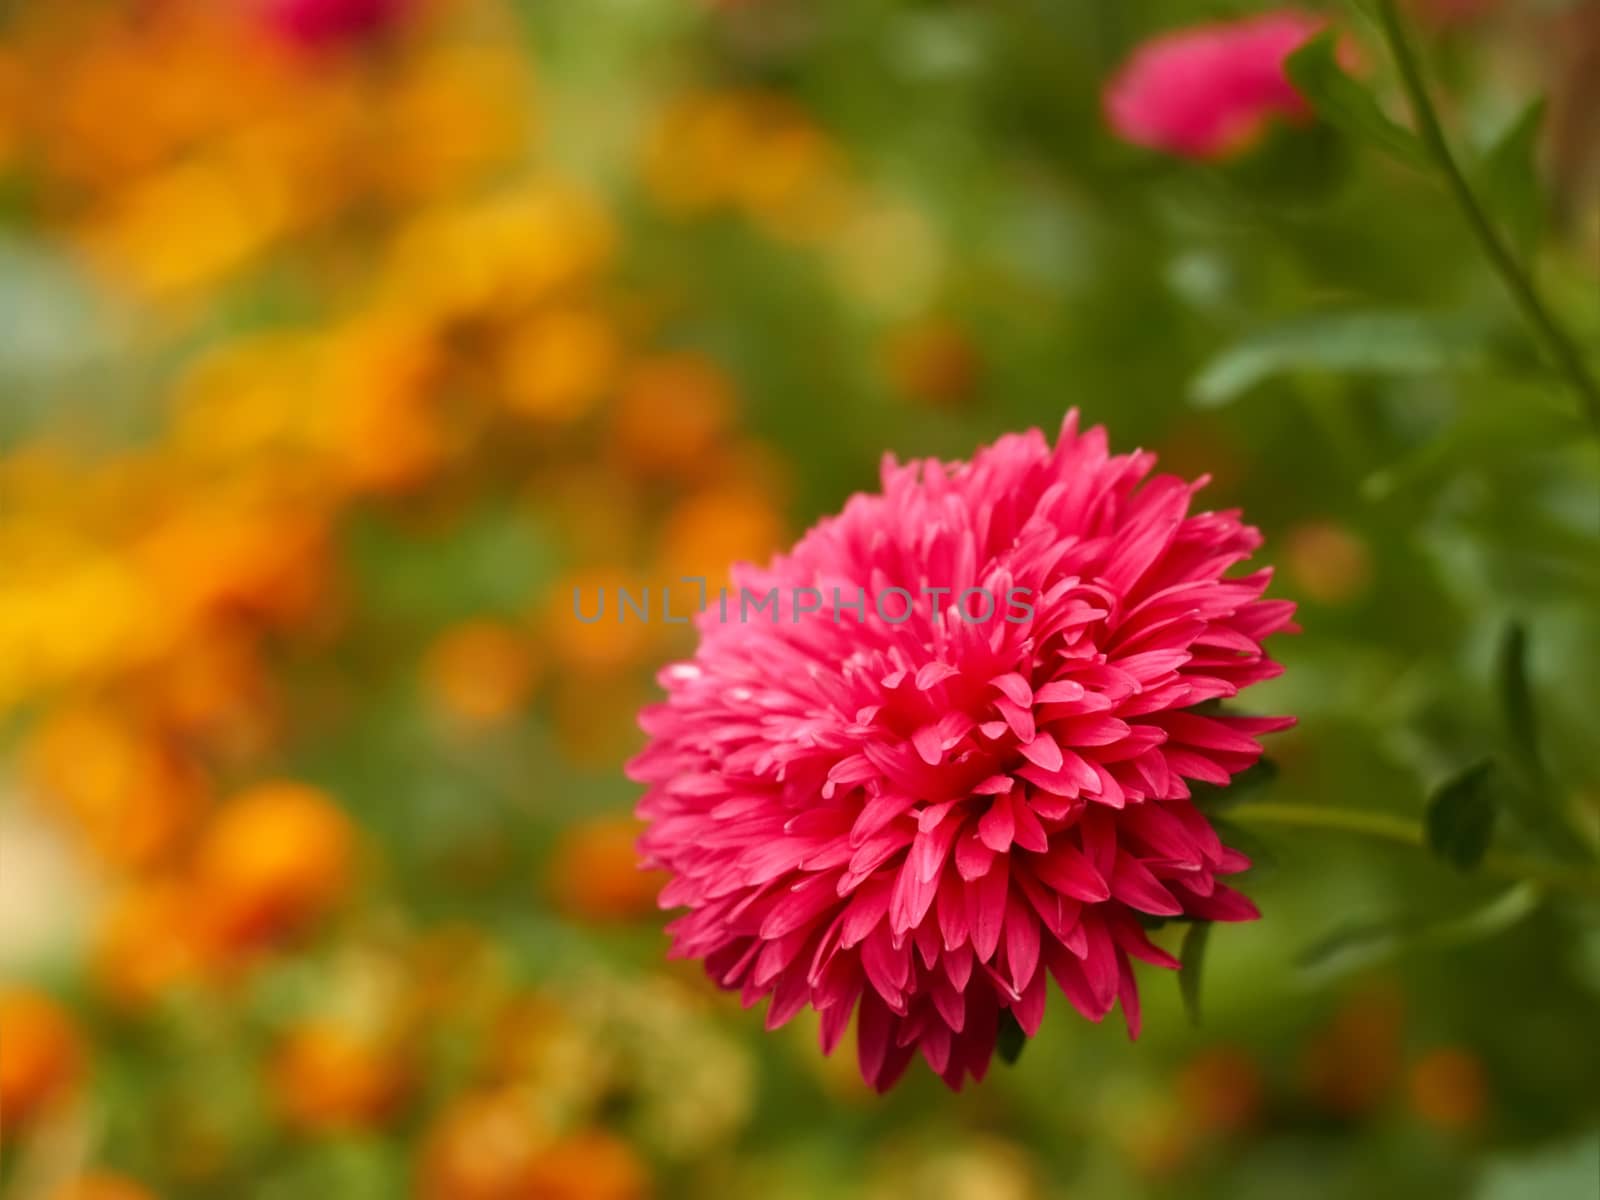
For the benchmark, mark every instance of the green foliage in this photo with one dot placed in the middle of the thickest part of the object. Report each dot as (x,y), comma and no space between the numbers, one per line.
(1347,104)
(1509,179)
(1461,816)
(1192,960)
(1399,343)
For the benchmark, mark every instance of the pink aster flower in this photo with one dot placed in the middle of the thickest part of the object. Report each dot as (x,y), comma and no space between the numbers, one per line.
(920,819)
(1208,91)
(312,24)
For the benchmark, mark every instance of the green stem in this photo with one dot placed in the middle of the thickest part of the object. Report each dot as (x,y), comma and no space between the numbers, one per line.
(1556,339)
(1400,831)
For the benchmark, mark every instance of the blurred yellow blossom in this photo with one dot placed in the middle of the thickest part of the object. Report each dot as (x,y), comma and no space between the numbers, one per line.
(751,152)
(559,363)
(500,255)
(458,112)
(128,791)
(102,1185)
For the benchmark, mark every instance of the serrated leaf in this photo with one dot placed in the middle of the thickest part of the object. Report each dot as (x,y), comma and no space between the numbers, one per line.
(1009,1038)
(1395,343)
(1516,697)
(1460,817)
(1347,104)
(1509,183)
(1191,963)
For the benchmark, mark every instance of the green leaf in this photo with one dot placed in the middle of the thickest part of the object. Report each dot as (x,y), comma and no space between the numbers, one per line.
(1509,181)
(1348,105)
(1561,1172)
(1263,862)
(1191,960)
(1396,343)
(1351,949)
(1009,1039)
(1460,817)
(1516,698)
(1217,798)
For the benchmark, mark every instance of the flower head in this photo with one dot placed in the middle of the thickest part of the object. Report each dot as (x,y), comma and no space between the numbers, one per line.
(903,810)
(1206,92)
(316,23)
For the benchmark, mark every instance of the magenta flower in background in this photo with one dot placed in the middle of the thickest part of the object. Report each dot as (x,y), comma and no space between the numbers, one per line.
(922,818)
(313,24)
(1207,92)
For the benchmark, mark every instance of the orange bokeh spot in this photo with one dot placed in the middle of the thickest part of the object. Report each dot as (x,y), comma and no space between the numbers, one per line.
(326,1078)
(41,1056)
(595,873)
(276,858)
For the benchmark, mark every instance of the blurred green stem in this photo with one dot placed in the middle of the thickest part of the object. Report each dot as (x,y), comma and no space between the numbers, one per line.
(1569,361)
(1555,876)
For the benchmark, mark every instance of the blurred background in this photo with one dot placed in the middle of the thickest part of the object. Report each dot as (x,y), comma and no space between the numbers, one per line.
(341,339)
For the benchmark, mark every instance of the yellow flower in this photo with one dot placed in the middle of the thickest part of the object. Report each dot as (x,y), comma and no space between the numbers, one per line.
(386,424)
(501,255)
(102,1185)
(185,227)
(558,363)
(129,794)
(456,112)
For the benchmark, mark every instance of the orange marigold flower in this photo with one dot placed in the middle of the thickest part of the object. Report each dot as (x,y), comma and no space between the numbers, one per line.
(933,361)
(1330,564)
(483,1147)
(326,1077)
(592,1165)
(481,672)
(41,1055)
(1221,1089)
(558,364)
(150,940)
(672,412)
(102,1185)
(126,790)
(1353,1064)
(276,858)
(595,874)
(1448,1089)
